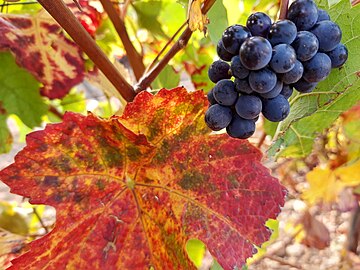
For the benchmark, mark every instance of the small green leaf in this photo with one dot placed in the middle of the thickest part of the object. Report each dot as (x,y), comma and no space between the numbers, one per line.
(196,251)
(5,135)
(168,78)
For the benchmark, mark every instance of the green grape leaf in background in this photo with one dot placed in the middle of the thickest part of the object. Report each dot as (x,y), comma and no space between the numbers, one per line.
(19,95)
(312,112)
(218,21)
(167,78)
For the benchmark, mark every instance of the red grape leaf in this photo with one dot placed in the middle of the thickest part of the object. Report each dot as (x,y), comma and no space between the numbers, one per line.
(88,16)
(130,191)
(41,47)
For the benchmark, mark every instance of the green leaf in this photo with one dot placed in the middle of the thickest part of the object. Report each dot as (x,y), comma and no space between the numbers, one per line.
(147,13)
(312,112)
(168,78)
(20,92)
(5,135)
(218,21)
(196,251)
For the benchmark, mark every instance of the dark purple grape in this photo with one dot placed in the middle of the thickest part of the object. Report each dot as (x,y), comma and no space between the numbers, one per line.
(305,45)
(224,92)
(303,13)
(218,117)
(323,15)
(338,56)
(273,92)
(303,86)
(255,53)
(262,81)
(222,53)
(293,75)
(219,70)
(237,69)
(234,36)
(287,91)
(317,68)
(276,109)
(283,58)
(210,97)
(258,23)
(328,33)
(243,86)
(282,32)
(248,106)
(240,128)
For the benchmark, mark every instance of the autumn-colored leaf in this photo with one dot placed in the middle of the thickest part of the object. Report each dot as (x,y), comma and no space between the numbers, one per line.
(326,183)
(197,20)
(89,17)
(130,191)
(41,47)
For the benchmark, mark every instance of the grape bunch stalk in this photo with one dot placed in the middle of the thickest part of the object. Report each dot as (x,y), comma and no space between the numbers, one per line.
(267,61)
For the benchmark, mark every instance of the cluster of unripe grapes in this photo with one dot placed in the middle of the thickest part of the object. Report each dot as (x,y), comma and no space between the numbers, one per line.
(267,61)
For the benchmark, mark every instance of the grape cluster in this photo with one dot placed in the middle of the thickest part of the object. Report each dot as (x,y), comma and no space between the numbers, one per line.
(267,61)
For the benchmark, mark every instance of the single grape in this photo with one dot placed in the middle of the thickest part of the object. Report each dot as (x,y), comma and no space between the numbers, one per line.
(282,32)
(234,36)
(287,91)
(323,15)
(273,92)
(248,106)
(255,53)
(222,53)
(237,69)
(258,23)
(303,13)
(338,56)
(224,92)
(294,74)
(240,128)
(276,109)
(283,58)
(317,68)
(242,86)
(328,33)
(262,81)
(218,117)
(305,45)
(303,86)
(219,70)
(210,97)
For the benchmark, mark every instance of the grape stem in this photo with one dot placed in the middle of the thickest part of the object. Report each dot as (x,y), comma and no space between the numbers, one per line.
(283,9)
(184,38)
(134,57)
(67,20)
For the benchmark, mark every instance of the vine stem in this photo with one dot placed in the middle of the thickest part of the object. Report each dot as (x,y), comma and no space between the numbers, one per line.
(150,76)
(134,57)
(67,20)
(283,9)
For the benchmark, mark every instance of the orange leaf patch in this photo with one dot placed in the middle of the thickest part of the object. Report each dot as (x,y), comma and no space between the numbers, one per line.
(130,191)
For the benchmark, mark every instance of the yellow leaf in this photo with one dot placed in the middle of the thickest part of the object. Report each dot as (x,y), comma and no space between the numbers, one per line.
(323,186)
(196,18)
(349,175)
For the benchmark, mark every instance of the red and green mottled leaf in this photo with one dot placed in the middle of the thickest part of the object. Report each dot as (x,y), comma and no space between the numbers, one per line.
(130,191)
(40,46)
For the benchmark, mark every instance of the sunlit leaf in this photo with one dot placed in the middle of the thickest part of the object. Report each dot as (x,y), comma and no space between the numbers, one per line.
(130,191)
